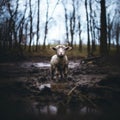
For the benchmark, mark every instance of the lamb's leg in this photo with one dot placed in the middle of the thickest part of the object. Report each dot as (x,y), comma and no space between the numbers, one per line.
(52,77)
(61,74)
(52,73)
(57,75)
(65,71)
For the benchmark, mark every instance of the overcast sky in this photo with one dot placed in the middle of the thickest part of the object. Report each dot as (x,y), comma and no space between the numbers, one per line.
(56,29)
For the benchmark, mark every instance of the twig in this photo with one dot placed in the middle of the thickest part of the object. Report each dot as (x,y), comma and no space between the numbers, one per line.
(80,94)
(90,101)
(72,89)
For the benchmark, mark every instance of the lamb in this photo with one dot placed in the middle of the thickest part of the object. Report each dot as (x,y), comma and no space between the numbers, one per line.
(59,62)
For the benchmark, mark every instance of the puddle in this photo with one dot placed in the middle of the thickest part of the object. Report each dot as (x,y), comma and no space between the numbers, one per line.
(56,109)
(73,64)
(46,64)
(48,109)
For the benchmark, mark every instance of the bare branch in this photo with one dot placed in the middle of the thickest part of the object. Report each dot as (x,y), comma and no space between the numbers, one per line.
(53,10)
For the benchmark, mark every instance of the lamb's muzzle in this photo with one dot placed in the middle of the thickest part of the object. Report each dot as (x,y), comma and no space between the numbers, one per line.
(59,62)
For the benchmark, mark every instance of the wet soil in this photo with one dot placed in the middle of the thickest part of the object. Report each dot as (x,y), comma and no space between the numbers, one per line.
(91,91)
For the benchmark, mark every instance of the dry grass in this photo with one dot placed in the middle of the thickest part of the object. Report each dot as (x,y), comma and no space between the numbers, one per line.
(74,53)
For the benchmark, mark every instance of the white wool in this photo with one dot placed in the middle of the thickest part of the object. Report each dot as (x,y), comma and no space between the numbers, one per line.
(59,65)
(56,60)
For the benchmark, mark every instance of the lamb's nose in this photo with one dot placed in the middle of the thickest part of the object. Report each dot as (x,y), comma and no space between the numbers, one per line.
(61,53)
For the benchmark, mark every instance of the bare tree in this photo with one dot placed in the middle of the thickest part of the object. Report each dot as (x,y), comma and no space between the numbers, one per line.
(38,22)
(117,37)
(47,21)
(109,27)
(94,34)
(66,22)
(25,36)
(114,28)
(88,35)
(72,23)
(46,25)
(31,24)
(12,27)
(79,30)
(103,31)
(92,26)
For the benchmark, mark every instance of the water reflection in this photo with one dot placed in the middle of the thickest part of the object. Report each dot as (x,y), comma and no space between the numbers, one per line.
(51,109)
(21,108)
(46,64)
(85,110)
(48,109)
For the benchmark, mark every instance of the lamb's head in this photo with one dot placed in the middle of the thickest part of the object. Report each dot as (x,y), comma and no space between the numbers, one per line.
(61,49)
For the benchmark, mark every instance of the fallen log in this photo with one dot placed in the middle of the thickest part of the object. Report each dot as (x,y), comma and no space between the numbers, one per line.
(90,59)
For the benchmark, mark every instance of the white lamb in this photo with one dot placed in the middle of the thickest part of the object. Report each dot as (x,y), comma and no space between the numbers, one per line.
(59,62)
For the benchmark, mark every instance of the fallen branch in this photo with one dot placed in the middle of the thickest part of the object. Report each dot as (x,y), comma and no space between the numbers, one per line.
(69,93)
(85,60)
(81,95)
(90,101)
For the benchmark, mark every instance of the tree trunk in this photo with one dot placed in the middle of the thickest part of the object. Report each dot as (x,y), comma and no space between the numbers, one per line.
(26,30)
(80,41)
(71,31)
(117,38)
(72,23)
(38,22)
(46,26)
(31,28)
(66,23)
(103,31)
(92,27)
(88,42)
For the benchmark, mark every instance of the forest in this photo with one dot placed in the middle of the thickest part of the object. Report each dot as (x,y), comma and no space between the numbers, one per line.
(29,32)
(28,29)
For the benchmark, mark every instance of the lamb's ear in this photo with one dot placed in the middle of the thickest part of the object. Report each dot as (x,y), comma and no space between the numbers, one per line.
(53,48)
(68,48)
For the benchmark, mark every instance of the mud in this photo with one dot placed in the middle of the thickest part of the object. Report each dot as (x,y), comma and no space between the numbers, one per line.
(91,91)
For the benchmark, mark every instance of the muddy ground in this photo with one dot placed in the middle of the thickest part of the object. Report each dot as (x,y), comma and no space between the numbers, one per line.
(91,91)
